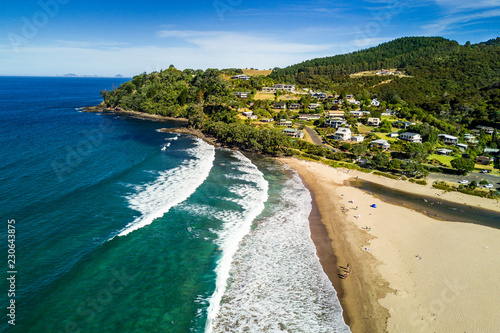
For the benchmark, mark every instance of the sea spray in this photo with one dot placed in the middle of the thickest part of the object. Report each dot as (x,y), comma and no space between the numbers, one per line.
(251,197)
(276,280)
(171,187)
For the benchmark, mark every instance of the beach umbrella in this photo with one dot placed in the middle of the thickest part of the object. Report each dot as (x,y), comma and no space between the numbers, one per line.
(374,206)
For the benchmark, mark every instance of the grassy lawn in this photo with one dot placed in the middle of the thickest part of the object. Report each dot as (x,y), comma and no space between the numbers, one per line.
(252,72)
(289,98)
(270,97)
(363,129)
(263,96)
(445,159)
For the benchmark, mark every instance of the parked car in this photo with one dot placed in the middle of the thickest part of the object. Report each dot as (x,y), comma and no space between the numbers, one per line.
(488,186)
(485,171)
(464,181)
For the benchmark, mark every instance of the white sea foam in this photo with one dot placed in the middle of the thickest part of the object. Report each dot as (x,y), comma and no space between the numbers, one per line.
(251,197)
(276,280)
(171,187)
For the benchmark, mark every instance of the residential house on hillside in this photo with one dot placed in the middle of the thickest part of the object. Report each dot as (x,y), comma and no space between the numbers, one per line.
(375,102)
(279,105)
(357,138)
(402,124)
(294,106)
(381,143)
(334,114)
(487,130)
(266,120)
(384,72)
(284,122)
(335,122)
(247,114)
(308,117)
(393,135)
(242,94)
(448,139)
(469,138)
(293,133)
(462,146)
(491,151)
(387,113)
(342,134)
(319,95)
(241,77)
(373,122)
(357,114)
(484,160)
(313,106)
(411,137)
(279,87)
(444,151)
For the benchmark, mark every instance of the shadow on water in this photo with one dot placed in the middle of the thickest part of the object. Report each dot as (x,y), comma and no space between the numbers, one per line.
(433,207)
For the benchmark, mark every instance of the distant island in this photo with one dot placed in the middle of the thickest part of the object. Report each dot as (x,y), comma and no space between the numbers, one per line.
(75,75)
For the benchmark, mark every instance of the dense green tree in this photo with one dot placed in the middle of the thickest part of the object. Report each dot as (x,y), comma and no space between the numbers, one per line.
(463,165)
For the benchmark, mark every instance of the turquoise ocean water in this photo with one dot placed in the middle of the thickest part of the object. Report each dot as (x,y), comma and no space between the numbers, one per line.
(121,228)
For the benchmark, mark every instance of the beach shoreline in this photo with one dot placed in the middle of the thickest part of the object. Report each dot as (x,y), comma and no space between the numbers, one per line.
(404,262)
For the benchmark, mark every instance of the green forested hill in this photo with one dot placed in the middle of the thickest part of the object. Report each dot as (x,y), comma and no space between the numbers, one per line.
(398,53)
(452,82)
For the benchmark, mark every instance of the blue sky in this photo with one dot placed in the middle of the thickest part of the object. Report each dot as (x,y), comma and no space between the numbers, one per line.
(54,37)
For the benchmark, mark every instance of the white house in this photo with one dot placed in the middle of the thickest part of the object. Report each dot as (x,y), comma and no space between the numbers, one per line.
(357,138)
(375,102)
(373,122)
(241,77)
(444,151)
(294,106)
(393,135)
(335,122)
(357,114)
(248,114)
(342,134)
(284,122)
(241,94)
(313,106)
(293,133)
(279,87)
(381,143)
(448,139)
(470,138)
(487,130)
(411,137)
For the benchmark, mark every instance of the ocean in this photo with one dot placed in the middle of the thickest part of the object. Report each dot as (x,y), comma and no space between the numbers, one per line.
(122,228)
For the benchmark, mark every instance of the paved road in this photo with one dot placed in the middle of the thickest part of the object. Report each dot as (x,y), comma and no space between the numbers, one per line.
(493,179)
(314,136)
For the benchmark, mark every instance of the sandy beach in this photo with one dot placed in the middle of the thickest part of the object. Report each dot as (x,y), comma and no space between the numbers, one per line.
(410,272)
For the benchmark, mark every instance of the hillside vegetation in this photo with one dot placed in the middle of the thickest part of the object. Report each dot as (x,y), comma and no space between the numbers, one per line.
(444,79)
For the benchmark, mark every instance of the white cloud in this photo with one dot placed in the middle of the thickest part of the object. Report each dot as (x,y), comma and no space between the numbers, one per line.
(466,5)
(452,21)
(367,42)
(204,49)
